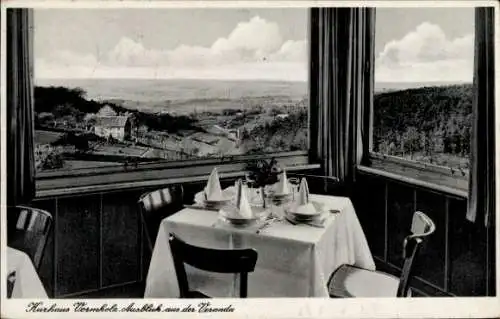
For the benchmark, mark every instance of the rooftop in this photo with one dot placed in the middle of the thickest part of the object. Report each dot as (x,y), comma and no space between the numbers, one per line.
(111,121)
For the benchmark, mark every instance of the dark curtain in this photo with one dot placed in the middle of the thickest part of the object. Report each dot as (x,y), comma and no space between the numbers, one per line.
(20,124)
(341,78)
(482,157)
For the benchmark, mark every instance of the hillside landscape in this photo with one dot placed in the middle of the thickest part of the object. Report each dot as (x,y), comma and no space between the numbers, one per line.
(430,124)
(66,122)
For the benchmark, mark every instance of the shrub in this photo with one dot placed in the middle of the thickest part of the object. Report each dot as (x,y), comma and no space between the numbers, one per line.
(49,157)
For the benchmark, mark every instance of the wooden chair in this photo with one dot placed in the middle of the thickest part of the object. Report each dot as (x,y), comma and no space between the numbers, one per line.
(228,261)
(157,205)
(28,230)
(351,281)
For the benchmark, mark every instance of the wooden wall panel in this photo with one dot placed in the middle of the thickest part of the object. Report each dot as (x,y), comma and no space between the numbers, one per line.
(78,243)
(430,263)
(370,199)
(452,261)
(467,253)
(400,208)
(120,238)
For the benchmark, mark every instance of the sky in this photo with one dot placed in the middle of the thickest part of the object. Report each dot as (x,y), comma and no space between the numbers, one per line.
(412,44)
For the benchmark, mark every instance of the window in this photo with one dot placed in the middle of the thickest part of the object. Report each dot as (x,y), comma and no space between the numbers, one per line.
(116,86)
(423,86)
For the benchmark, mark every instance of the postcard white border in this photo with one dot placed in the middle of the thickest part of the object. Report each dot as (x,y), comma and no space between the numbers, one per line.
(261,308)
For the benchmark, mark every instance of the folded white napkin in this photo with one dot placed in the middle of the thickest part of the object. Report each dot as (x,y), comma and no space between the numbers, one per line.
(303,206)
(303,193)
(213,190)
(282,187)
(243,206)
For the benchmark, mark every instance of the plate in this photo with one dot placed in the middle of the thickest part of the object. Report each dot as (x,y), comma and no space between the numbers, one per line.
(199,199)
(304,217)
(238,221)
(281,197)
(215,204)
(316,221)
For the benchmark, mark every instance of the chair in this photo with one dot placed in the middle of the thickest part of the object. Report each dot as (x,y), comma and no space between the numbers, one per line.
(351,281)
(157,205)
(27,230)
(228,261)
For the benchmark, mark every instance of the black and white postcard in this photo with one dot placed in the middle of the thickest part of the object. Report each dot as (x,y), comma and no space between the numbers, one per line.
(235,159)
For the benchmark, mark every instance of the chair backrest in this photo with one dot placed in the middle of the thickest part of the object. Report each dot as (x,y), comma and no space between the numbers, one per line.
(236,261)
(27,230)
(421,227)
(155,206)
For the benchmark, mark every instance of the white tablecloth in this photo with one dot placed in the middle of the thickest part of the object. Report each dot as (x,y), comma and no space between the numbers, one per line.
(27,283)
(293,260)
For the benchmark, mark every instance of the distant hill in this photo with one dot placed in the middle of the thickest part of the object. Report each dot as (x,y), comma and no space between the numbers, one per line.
(398,86)
(430,119)
(50,99)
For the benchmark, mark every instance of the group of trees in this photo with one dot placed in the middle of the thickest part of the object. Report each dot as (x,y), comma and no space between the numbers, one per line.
(67,100)
(278,135)
(71,107)
(426,122)
(166,122)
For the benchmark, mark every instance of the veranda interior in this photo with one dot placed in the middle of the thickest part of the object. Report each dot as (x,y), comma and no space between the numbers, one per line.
(95,211)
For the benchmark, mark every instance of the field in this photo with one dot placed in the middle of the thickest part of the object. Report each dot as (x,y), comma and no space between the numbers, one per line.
(46,137)
(117,149)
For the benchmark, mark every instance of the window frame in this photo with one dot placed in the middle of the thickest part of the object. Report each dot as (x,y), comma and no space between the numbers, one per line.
(55,183)
(451,181)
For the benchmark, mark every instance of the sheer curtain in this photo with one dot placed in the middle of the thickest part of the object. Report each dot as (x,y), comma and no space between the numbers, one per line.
(20,107)
(342,55)
(482,175)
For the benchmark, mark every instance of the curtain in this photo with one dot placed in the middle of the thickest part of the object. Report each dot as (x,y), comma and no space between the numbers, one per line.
(20,108)
(341,79)
(481,204)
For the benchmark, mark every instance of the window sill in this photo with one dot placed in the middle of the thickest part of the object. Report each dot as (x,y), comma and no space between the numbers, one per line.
(418,176)
(141,178)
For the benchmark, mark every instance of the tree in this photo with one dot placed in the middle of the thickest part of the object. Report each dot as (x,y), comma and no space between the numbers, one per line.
(64,110)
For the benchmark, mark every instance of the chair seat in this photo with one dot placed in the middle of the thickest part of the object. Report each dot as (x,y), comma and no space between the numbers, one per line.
(350,281)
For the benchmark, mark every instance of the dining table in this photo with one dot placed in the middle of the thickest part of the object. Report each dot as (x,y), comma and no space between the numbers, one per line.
(22,278)
(294,260)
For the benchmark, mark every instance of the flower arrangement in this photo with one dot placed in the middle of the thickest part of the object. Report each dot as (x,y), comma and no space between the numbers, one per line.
(263,172)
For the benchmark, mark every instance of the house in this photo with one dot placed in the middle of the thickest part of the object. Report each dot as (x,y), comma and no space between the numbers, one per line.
(117,127)
(109,123)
